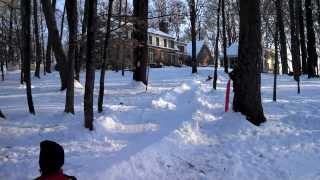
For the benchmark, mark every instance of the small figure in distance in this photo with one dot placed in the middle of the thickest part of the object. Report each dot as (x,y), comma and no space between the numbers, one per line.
(51,160)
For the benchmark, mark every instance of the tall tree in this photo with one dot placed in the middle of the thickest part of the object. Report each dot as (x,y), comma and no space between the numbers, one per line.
(311,41)
(276,60)
(140,35)
(49,42)
(225,57)
(216,48)
(82,44)
(10,43)
(90,65)
(246,75)
(103,67)
(55,40)
(295,51)
(193,16)
(303,47)
(37,37)
(26,35)
(72,16)
(283,38)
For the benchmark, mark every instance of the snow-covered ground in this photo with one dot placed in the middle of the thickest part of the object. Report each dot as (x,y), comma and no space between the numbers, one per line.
(175,130)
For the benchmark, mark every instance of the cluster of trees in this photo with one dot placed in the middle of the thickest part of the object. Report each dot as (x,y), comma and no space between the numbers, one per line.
(34,38)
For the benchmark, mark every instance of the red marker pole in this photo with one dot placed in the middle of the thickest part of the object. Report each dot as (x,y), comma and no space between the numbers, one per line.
(226,109)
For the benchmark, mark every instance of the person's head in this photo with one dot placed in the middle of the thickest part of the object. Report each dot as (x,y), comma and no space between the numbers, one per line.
(51,157)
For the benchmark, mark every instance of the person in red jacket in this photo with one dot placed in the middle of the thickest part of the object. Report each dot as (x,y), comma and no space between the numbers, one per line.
(51,160)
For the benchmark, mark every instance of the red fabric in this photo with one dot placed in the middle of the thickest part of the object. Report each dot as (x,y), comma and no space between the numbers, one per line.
(226,109)
(56,176)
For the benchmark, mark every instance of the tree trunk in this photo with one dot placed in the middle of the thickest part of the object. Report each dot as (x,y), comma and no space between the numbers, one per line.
(26,20)
(11,53)
(247,76)
(103,67)
(90,65)
(42,42)
(140,35)
(82,41)
(295,50)
(2,115)
(72,16)
(49,46)
(2,70)
(302,37)
(283,39)
(225,57)
(37,37)
(216,49)
(193,15)
(311,41)
(55,41)
(276,59)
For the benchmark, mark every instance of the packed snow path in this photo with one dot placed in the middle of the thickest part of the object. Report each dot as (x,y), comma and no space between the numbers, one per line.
(175,130)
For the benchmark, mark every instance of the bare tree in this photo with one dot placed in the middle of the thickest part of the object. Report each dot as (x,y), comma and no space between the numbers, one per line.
(90,64)
(193,16)
(140,35)
(26,31)
(103,67)
(216,48)
(302,37)
(246,75)
(295,51)
(283,38)
(311,41)
(72,16)
(55,40)
(224,37)
(37,37)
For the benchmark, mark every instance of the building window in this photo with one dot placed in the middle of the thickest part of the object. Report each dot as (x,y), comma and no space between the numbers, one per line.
(150,40)
(151,56)
(164,42)
(172,44)
(157,41)
(181,48)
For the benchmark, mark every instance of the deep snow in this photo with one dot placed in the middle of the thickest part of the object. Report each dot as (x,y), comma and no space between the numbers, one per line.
(175,130)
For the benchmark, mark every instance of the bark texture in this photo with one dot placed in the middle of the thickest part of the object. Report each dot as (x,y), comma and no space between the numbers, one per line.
(140,35)
(90,65)
(26,35)
(246,75)
(103,67)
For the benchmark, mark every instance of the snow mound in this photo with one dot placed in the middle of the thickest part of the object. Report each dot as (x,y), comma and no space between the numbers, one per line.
(189,134)
(163,104)
(111,125)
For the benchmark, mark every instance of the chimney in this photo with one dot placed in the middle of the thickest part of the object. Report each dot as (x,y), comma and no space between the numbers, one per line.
(163,26)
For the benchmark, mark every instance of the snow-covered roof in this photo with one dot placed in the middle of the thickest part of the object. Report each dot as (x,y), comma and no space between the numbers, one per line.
(199,45)
(232,51)
(160,33)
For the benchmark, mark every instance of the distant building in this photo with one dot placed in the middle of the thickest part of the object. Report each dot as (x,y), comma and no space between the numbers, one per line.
(203,53)
(232,54)
(163,48)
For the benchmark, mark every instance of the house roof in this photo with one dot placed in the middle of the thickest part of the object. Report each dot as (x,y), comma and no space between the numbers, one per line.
(199,45)
(160,33)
